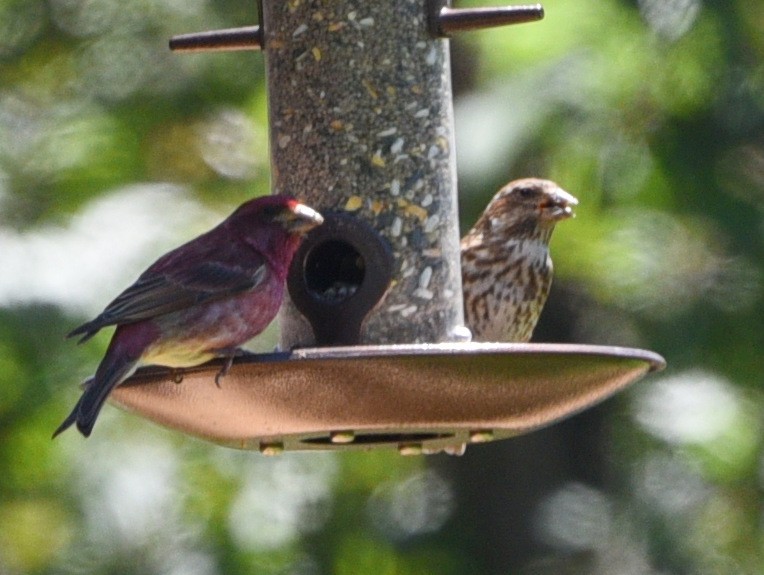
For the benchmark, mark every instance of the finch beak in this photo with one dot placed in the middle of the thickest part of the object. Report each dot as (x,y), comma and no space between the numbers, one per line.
(300,219)
(558,205)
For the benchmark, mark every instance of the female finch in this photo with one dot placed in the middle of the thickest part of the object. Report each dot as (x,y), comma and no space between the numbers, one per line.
(506,267)
(199,301)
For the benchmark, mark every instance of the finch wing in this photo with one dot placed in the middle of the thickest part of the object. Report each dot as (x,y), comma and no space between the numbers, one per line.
(154,295)
(165,288)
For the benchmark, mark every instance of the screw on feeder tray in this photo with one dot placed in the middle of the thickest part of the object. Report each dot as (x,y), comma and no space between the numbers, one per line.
(272,448)
(445,20)
(338,275)
(342,437)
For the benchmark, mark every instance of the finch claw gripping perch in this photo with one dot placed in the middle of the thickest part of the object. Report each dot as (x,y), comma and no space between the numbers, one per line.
(223,371)
(228,363)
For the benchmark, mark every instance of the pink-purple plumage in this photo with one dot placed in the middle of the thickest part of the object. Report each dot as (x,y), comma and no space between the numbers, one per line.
(202,300)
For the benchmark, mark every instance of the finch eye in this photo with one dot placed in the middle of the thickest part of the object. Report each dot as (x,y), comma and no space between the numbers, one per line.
(270,212)
(526,193)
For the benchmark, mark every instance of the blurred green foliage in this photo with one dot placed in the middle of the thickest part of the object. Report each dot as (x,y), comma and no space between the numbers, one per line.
(112,150)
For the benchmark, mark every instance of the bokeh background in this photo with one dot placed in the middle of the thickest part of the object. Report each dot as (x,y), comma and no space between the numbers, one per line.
(113,150)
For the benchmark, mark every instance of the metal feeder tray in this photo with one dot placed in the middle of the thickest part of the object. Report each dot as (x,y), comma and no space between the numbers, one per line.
(418,398)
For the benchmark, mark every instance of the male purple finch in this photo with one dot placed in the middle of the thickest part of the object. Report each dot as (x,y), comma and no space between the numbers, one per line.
(506,267)
(199,301)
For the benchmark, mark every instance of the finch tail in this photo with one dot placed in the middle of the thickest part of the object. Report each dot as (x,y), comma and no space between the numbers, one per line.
(69,421)
(121,360)
(107,378)
(110,374)
(86,330)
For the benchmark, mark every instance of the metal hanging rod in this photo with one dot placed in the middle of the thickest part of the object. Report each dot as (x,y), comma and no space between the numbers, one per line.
(450,20)
(228,40)
(444,21)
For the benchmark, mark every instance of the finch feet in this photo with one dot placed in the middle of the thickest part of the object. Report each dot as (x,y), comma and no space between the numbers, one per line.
(177,375)
(223,371)
(230,355)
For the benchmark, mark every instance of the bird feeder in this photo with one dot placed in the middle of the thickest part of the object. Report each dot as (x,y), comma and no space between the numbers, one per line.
(361,128)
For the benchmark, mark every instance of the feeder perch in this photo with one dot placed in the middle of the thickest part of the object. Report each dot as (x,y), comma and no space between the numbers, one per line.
(414,398)
(361,128)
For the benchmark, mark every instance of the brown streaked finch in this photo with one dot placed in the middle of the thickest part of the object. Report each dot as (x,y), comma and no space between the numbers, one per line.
(200,301)
(506,266)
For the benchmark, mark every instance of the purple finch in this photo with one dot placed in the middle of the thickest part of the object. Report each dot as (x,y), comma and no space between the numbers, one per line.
(199,301)
(506,267)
